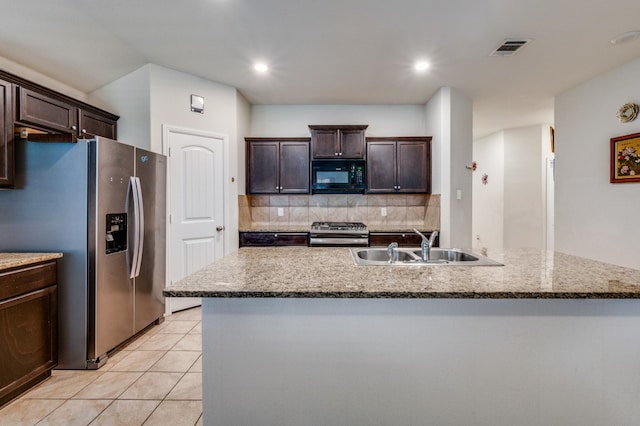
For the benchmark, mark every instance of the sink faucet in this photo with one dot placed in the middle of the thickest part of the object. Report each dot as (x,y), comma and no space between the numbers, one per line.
(392,252)
(427,243)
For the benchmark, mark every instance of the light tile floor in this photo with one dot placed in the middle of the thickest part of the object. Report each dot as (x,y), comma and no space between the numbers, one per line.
(155,380)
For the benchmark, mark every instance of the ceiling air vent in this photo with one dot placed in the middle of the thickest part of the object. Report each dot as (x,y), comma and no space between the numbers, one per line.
(509,47)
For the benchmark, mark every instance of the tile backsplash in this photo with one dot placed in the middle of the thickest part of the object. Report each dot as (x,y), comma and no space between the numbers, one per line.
(297,212)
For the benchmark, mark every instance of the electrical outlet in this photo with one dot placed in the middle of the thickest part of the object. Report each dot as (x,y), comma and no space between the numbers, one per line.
(459,194)
(383,211)
(280,211)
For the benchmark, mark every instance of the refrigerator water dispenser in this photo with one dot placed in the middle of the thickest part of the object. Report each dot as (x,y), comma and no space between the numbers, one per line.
(116,232)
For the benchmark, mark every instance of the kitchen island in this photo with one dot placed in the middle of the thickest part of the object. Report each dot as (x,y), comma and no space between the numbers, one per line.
(303,336)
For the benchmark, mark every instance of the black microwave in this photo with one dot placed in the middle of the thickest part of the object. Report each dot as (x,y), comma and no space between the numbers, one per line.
(338,176)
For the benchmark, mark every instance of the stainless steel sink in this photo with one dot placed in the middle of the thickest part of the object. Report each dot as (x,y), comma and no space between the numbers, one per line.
(381,255)
(450,255)
(378,256)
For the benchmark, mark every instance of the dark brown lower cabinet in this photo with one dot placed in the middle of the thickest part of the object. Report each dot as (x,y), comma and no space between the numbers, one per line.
(28,327)
(266,239)
(404,239)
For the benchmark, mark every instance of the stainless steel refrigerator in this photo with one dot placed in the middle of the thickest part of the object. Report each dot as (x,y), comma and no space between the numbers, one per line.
(103,205)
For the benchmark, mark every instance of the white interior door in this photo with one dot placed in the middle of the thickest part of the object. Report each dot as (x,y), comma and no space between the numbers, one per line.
(196,186)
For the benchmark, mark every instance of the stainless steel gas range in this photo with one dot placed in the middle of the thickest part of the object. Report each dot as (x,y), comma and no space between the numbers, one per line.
(353,234)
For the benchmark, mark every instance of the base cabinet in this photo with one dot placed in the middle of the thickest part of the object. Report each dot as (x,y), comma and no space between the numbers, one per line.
(28,327)
(268,239)
(404,239)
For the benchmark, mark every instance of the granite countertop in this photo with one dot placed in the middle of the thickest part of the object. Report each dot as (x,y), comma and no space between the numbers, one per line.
(279,228)
(302,228)
(330,273)
(13,260)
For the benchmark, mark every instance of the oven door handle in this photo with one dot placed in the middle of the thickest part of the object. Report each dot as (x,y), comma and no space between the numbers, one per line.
(324,241)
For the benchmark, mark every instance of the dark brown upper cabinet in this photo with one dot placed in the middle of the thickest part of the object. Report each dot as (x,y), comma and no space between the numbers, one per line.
(51,113)
(91,124)
(397,165)
(277,165)
(332,141)
(46,112)
(7,166)
(41,114)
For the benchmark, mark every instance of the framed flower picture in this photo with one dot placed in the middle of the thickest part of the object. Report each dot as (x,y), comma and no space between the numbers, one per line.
(625,158)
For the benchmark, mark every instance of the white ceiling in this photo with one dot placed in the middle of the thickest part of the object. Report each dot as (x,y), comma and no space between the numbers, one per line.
(333,51)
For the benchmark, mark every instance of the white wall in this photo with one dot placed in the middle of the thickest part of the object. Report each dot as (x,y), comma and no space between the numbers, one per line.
(523,208)
(153,96)
(244,129)
(171,102)
(293,120)
(36,77)
(171,105)
(510,211)
(434,125)
(594,218)
(461,122)
(488,200)
(130,98)
(449,120)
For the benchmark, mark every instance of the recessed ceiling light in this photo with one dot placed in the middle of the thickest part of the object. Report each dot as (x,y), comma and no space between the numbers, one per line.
(421,66)
(625,37)
(261,67)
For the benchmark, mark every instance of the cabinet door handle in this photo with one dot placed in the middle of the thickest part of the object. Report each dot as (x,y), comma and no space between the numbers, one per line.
(335,153)
(340,154)
(83,131)
(275,235)
(73,127)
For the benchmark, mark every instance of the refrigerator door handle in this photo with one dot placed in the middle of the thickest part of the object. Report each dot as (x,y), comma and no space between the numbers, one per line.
(138,226)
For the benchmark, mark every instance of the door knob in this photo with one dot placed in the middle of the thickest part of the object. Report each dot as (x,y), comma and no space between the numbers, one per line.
(219,228)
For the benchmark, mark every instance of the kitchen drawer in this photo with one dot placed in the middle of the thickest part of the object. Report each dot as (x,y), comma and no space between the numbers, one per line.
(17,281)
(266,239)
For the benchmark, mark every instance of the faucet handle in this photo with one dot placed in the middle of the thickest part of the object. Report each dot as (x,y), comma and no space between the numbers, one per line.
(432,238)
(421,234)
